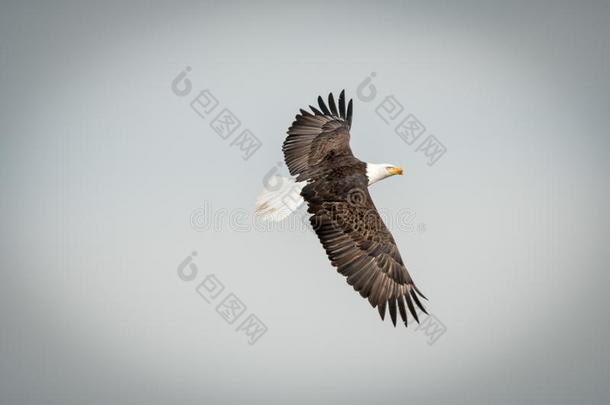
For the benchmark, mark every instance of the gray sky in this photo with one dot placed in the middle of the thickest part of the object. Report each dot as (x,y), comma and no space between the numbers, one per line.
(111,181)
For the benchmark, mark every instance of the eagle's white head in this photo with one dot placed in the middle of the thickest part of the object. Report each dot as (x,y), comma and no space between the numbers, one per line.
(379,171)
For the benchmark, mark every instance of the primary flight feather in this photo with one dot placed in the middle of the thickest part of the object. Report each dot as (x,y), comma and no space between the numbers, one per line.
(334,184)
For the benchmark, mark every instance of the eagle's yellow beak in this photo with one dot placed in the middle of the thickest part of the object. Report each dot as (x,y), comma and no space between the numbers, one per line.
(394,170)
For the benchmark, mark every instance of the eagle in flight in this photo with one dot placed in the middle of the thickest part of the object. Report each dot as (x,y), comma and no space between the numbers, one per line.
(334,184)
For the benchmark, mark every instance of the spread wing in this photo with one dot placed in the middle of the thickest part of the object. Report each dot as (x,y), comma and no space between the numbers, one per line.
(315,136)
(359,244)
(344,217)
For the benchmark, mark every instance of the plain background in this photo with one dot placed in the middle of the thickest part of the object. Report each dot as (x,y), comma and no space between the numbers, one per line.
(102,166)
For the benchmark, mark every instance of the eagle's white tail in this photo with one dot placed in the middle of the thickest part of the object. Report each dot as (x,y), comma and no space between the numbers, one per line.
(280,197)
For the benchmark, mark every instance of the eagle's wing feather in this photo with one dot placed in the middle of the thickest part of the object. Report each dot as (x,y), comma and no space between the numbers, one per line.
(313,137)
(343,214)
(359,244)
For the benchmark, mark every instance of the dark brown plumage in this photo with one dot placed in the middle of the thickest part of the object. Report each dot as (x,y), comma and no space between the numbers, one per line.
(344,217)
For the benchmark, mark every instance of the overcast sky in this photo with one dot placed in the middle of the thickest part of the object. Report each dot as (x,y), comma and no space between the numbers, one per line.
(113,174)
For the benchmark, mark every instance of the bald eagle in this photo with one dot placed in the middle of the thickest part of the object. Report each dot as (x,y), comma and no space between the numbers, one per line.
(334,183)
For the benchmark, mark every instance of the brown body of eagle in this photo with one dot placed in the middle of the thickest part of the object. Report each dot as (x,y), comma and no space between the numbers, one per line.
(343,215)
